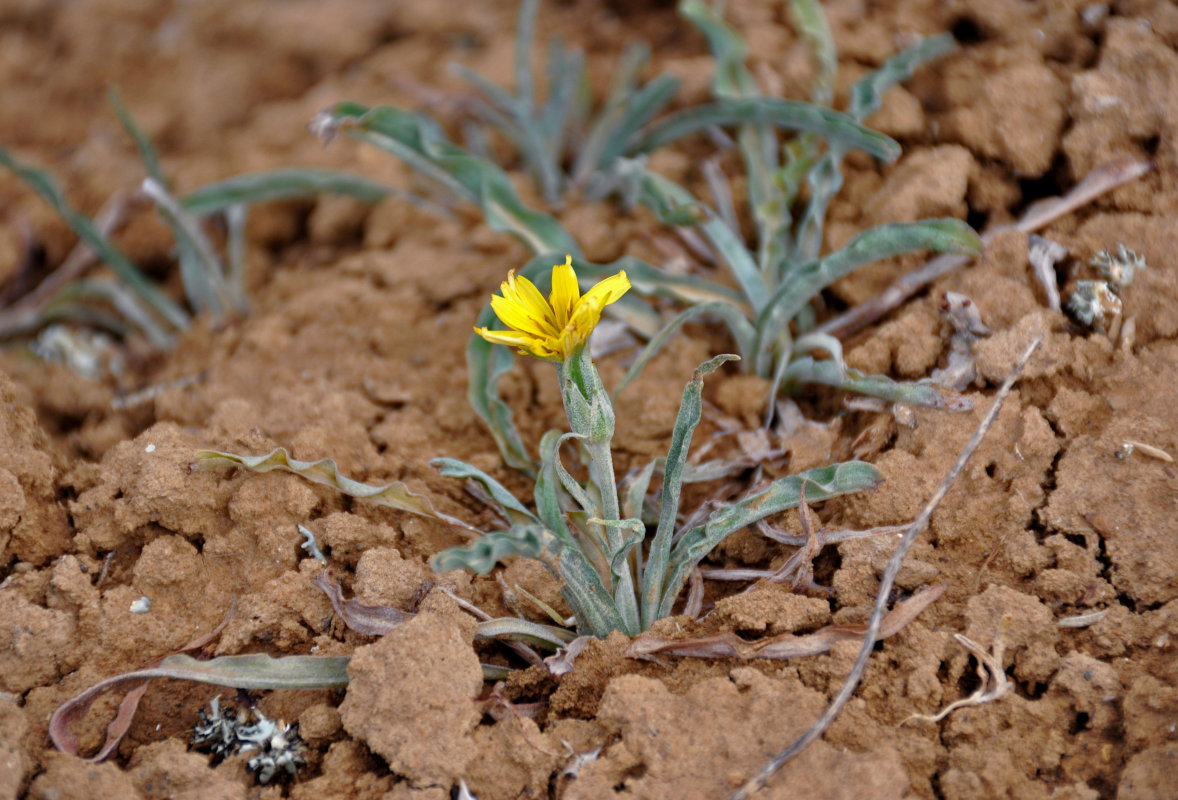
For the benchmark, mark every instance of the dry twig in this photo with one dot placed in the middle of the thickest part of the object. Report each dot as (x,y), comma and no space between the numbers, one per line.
(885,588)
(1100,180)
(22,315)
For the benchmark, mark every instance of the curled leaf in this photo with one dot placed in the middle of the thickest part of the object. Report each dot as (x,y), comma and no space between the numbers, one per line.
(258,671)
(362,618)
(325,472)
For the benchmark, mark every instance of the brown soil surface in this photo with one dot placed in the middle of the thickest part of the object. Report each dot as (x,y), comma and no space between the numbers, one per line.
(354,349)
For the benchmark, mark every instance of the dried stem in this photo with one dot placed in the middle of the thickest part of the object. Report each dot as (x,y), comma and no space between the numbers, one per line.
(885,588)
(25,313)
(1097,182)
(995,684)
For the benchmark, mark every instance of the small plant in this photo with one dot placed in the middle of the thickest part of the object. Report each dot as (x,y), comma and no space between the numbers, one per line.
(566,145)
(615,576)
(610,152)
(213,278)
(771,316)
(566,148)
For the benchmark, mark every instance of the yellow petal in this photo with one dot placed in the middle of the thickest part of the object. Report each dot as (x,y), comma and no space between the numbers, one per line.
(509,338)
(607,291)
(519,317)
(565,291)
(529,296)
(557,331)
(584,320)
(526,344)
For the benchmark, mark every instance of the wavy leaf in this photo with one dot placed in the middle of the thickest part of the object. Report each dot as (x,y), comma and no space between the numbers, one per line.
(820,483)
(867,93)
(326,473)
(508,505)
(654,572)
(884,241)
(422,144)
(481,556)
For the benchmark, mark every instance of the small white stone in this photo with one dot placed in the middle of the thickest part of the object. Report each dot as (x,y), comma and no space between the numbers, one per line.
(149,449)
(141,606)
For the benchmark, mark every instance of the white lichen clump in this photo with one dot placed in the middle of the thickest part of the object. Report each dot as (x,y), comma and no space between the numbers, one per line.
(1094,304)
(1118,270)
(276,746)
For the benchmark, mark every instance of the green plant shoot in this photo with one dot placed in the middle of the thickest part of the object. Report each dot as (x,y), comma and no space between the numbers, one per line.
(615,575)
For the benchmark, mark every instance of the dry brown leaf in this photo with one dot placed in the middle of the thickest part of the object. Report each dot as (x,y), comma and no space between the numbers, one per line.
(787,645)
(369,620)
(65,740)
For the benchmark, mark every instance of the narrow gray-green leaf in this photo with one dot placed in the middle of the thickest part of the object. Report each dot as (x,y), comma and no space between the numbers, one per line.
(792,115)
(830,373)
(258,672)
(210,277)
(147,153)
(621,89)
(126,302)
(522,630)
(634,496)
(639,108)
(732,78)
(740,327)
(566,73)
(525,31)
(659,193)
(757,140)
(486,363)
(821,483)
(825,177)
(481,556)
(78,313)
(282,184)
(509,505)
(547,492)
(235,219)
(421,143)
(867,93)
(201,295)
(657,561)
(596,613)
(325,472)
(885,241)
(570,484)
(44,185)
(811,22)
(516,119)
(650,281)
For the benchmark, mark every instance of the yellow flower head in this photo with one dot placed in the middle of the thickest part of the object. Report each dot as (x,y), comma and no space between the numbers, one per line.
(558,327)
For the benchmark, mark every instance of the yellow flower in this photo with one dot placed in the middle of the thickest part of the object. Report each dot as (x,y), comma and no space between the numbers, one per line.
(558,327)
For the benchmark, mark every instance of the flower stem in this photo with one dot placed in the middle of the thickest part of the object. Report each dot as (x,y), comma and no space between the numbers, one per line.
(591,416)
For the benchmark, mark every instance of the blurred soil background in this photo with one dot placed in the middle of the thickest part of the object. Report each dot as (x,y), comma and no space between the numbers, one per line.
(353,349)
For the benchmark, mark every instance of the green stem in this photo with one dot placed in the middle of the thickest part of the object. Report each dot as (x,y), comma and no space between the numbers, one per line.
(591,415)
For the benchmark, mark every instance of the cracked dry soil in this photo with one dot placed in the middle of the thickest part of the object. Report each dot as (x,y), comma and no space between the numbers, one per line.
(353,350)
